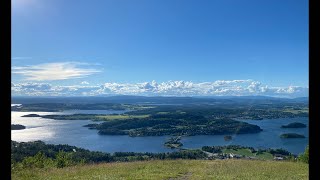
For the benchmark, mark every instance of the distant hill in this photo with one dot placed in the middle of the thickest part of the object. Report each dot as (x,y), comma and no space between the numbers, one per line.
(158,99)
(302,99)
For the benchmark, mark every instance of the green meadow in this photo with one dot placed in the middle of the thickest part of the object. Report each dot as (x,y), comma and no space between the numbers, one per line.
(174,169)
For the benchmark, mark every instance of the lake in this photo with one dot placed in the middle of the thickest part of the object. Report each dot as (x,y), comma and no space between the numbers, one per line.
(71,132)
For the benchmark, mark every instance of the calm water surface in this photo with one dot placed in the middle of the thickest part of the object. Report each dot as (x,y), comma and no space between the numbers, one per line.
(71,132)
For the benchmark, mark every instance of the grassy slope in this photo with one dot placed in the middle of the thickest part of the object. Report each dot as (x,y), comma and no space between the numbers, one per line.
(245,152)
(175,169)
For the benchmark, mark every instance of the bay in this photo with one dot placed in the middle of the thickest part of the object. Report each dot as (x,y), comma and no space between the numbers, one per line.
(73,133)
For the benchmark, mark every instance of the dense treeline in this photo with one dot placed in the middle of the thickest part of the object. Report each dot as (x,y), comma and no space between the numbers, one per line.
(241,111)
(24,149)
(38,154)
(218,149)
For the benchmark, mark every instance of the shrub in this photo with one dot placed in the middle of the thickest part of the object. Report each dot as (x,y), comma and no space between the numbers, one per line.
(305,156)
(63,159)
(40,160)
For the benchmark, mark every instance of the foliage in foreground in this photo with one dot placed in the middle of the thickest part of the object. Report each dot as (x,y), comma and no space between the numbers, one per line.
(37,154)
(174,169)
(305,156)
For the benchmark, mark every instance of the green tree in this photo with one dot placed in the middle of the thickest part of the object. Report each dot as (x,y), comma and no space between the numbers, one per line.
(305,156)
(63,159)
(40,160)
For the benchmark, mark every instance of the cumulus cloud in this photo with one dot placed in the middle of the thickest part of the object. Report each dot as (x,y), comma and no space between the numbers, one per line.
(53,71)
(169,88)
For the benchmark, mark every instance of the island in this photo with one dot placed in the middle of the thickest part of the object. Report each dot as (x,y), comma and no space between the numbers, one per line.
(31,115)
(17,127)
(174,142)
(228,138)
(294,125)
(175,123)
(292,135)
(90,126)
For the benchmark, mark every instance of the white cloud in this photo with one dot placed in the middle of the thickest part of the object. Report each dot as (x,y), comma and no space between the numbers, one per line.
(84,82)
(53,71)
(169,88)
(20,58)
(46,89)
(255,86)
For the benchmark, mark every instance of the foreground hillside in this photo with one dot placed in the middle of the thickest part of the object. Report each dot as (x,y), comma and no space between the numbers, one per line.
(174,169)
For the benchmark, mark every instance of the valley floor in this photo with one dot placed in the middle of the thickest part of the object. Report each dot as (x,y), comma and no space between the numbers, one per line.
(174,169)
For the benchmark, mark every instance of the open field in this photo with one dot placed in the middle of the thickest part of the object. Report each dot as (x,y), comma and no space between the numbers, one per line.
(246,152)
(174,169)
(265,156)
(119,117)
(297,111)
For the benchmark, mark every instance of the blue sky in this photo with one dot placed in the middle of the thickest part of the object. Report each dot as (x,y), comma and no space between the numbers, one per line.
(132,42)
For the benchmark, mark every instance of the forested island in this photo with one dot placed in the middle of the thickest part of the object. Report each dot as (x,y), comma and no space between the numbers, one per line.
(294,125)
(17,127)
(166,123)
(174,142)
(292,135)
(227,138)
(31,115)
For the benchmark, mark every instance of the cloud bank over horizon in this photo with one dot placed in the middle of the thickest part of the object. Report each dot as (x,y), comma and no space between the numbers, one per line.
(54,71)
(169,88)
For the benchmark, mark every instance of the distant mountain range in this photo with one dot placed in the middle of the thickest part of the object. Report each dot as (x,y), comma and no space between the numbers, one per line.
(154,99)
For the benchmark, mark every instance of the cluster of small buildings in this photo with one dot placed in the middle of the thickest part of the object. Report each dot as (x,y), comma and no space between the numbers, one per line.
(278,157)
(212,156)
